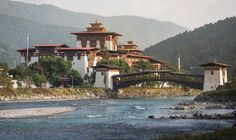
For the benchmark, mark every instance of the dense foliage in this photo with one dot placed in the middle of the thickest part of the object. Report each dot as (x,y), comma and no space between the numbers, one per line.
(77,79)
(140,66)
(22,73)
(212,42)
(5,80)
(48,69)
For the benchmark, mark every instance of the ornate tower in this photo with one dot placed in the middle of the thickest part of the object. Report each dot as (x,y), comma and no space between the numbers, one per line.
(97,36)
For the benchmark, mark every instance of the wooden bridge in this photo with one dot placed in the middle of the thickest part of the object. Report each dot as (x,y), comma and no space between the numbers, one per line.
(187,80)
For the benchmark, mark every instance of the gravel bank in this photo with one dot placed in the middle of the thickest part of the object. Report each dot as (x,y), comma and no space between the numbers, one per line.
(34,112)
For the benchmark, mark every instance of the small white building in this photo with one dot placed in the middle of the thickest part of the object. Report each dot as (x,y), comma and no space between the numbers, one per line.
(215,74)
(104,75)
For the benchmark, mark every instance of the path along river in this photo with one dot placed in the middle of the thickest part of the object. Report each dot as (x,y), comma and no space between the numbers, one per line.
(105,119)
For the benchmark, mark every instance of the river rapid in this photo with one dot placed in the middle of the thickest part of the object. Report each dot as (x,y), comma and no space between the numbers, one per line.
(105,119)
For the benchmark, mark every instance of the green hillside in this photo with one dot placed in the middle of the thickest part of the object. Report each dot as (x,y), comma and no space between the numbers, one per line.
(14,32)
(7,53)
(144,32)
(212,42)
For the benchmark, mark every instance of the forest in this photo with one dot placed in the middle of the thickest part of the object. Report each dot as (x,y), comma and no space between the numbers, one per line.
(209,43)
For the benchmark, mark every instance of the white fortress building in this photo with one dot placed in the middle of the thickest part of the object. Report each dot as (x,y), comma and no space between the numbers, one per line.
(89,50)
(215,74)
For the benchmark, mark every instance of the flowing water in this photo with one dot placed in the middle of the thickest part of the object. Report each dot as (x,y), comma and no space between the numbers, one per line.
(104,119)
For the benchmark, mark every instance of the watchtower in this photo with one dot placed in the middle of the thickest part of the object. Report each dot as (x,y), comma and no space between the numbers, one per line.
(104,75)
(215,74)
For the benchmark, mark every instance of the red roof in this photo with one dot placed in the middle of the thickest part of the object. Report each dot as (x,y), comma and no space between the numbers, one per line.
(213,64)
(78,49)
(139,56)
(25,49)
(157,61)
(89,33)
(51,45)
(106,66)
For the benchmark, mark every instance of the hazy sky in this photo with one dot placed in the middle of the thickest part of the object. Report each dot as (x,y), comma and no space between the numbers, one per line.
(188,13)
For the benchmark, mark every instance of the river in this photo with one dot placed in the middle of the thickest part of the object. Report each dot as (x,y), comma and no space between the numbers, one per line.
(104,119)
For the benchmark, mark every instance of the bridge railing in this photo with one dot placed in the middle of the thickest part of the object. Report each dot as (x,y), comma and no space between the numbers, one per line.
(162,76)
(182,77)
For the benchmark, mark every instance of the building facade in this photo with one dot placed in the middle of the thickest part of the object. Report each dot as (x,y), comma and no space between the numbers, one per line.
(97,36)
(91,45)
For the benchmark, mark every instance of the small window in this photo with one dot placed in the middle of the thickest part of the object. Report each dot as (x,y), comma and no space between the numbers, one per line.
(102,73)
(73,63)
(212,72)
(78,57)
(87,69)
(211,86)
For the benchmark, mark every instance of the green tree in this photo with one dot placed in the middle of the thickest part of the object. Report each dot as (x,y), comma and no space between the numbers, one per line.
(33,74)
(142,65)
(88,81)
(39,79)
(5,80)
(117,62)
(20,72)
(76,77)
(4,66)
(54,68)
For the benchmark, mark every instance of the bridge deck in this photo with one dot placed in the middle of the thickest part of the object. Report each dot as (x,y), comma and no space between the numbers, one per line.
(135,78)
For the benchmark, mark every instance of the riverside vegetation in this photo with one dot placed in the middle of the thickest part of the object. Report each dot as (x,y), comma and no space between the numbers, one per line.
(37,94)
(52,69)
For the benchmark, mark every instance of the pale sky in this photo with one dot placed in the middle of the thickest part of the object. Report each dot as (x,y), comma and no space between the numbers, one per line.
(188,13)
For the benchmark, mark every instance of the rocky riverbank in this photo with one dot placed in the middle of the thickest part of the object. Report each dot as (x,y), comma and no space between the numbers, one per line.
(224,99)
(200,116)
(203,106)
(200,110)
(8,95)
(40,94)
(223,95)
